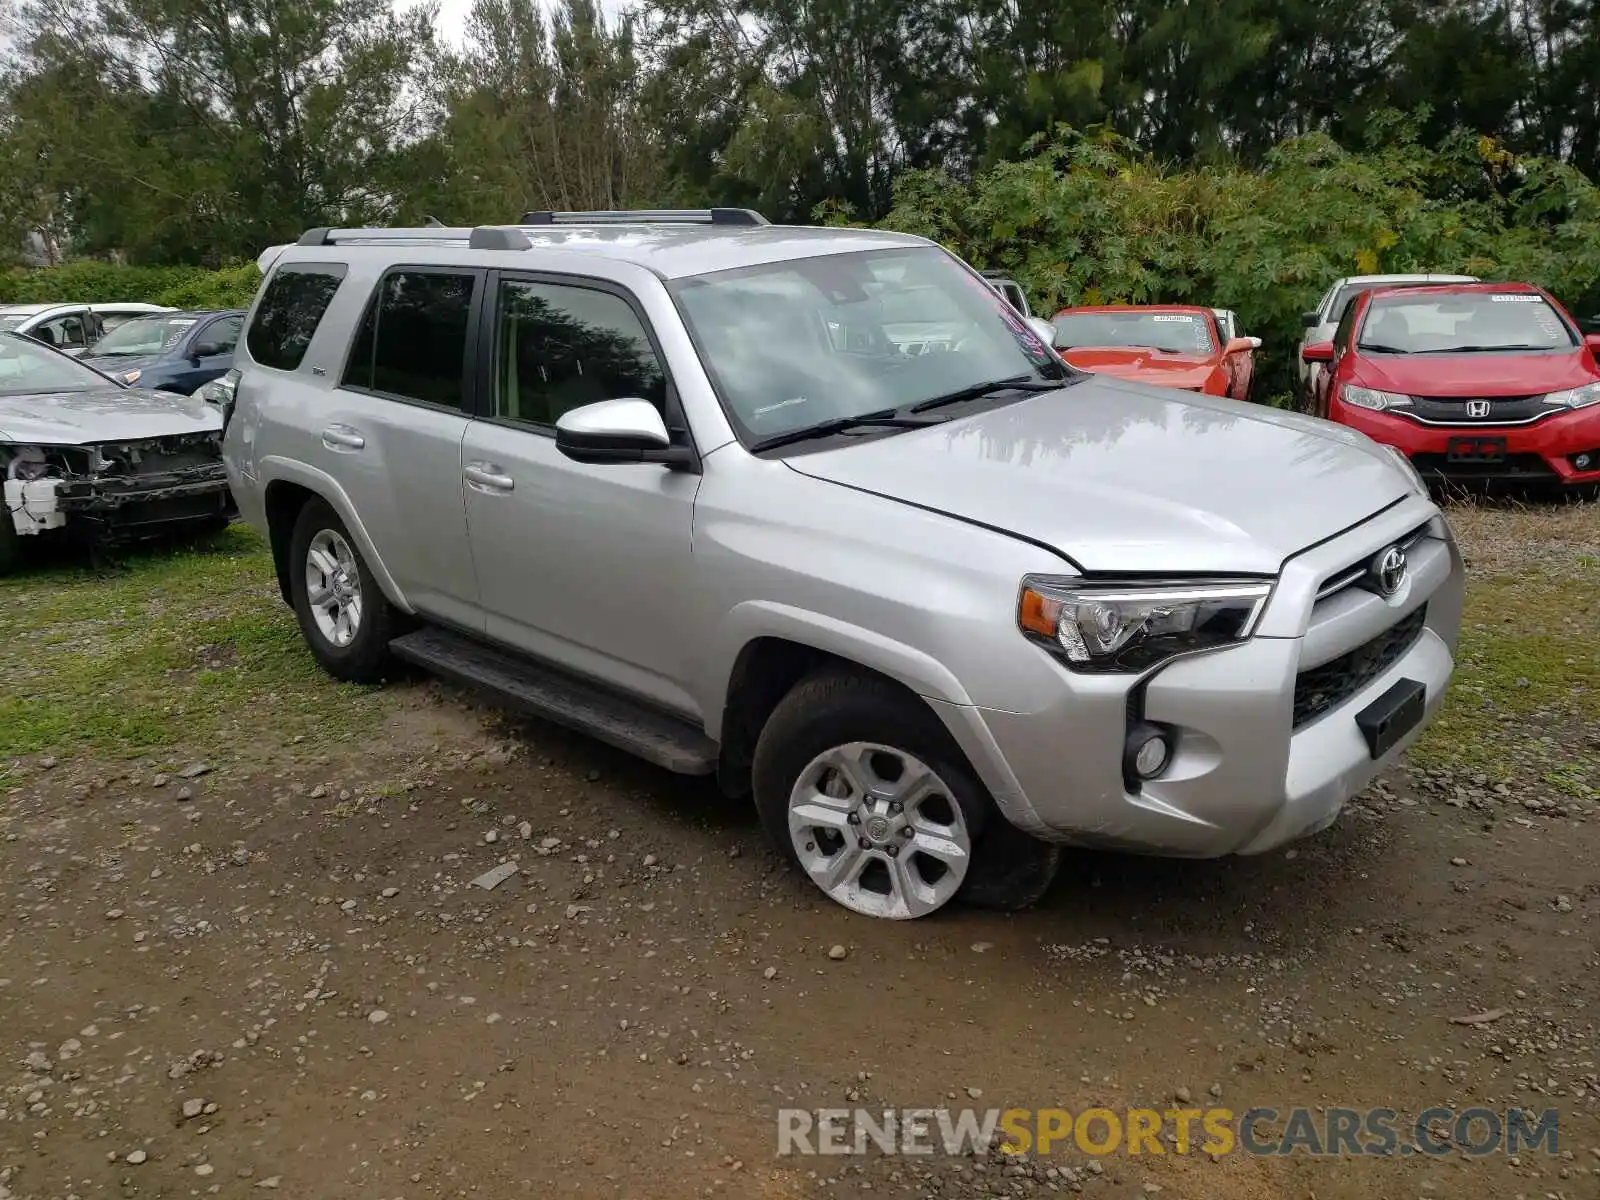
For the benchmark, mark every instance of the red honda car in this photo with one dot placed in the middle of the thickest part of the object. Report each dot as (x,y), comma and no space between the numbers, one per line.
(1470,380)
(1167,345)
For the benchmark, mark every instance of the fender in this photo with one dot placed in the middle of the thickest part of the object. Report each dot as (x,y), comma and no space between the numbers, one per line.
(754,619)
(274,469)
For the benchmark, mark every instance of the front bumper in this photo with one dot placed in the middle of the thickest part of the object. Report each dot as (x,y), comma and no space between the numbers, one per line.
(1243,777)
(131,506)
(1543,450)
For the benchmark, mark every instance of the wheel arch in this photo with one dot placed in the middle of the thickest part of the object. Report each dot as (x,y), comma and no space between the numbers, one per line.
(770,648)
(290,486)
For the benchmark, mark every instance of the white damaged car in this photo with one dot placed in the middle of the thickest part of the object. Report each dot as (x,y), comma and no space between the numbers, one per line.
(84,455)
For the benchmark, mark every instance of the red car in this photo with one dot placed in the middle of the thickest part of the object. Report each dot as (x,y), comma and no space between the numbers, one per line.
(1168,345)
(1470,380)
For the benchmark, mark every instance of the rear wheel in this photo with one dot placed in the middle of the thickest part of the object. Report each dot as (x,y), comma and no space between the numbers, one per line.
(344,617)
(862,788)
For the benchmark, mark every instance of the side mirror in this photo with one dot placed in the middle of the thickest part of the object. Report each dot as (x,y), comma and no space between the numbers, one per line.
(1310,320)
(1242,345)
(206,350)
(1317,352)
(618,431)
(1592,340)
(1044,329)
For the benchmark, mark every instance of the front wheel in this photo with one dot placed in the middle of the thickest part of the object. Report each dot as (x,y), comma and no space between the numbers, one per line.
(863,789)
(344,617)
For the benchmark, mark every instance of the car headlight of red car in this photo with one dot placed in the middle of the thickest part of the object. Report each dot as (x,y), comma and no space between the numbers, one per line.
(1576,397)
(1372,398)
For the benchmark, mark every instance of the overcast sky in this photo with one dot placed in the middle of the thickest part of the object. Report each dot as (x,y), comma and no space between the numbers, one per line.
(453,16)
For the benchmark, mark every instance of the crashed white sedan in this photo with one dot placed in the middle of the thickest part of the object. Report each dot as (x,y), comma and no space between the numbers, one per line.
(82,454)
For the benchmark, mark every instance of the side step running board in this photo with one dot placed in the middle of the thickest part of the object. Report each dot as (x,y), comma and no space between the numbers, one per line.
(518,683)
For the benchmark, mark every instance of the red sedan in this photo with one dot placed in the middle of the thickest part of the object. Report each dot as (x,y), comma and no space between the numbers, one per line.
(1168,345)
(1482,380)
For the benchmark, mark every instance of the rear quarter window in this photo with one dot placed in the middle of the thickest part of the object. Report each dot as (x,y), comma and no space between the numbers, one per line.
(291,308)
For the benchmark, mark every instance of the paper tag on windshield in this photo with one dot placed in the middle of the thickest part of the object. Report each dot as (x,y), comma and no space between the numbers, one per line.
(1181,318)
(1517,298)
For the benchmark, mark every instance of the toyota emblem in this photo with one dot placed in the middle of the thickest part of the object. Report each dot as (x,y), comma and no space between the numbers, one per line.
(1477,408)
(1388,570)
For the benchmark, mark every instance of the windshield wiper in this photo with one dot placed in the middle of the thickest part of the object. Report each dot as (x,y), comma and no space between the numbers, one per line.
(1380,348)
(1483,349)
(887,418)
(1025,383)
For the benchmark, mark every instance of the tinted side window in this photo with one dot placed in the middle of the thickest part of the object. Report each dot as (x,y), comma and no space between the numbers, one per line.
(291,309)
(1341,335)
(224,334)
(413,338)
(559,347)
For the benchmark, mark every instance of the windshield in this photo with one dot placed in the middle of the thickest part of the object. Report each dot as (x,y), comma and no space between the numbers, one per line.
(26,369)
(1464,321)
(1177,332)
(147,335)
(13,322)
(793,344)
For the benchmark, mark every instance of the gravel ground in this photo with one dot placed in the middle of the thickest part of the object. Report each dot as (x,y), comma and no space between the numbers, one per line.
(253,958)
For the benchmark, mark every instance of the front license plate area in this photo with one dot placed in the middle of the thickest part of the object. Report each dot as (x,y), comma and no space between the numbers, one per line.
(1392,715)
(1476,449)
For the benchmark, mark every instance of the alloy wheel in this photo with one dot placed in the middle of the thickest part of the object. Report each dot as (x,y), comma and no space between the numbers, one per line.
(879,831)
(333,587)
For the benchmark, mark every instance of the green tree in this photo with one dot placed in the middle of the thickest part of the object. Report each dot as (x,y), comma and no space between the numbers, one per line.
(199,130)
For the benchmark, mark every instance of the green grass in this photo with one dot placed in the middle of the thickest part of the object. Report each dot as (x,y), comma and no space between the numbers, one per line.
(1527,667)
(188,648)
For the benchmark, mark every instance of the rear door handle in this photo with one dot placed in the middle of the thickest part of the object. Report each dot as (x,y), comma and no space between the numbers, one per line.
(487,477)
(342,437)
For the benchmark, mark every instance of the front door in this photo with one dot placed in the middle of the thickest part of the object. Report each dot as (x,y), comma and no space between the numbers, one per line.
(587,566)
(207,353)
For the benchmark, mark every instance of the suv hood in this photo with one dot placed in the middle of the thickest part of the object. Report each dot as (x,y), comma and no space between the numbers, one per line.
(1509,374)
(1120,477)
(109,414)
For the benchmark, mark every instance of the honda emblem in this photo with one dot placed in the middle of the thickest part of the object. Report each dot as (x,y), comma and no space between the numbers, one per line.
(1477,408)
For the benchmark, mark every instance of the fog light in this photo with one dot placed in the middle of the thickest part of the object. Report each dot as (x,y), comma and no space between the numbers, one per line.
(1148,752)
(1583,461)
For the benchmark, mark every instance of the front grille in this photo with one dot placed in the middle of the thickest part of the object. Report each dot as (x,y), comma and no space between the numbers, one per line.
(1357,571)
(1326,687)
(1503,410)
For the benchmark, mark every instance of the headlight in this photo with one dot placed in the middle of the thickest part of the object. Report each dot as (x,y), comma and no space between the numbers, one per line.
(1132,626)
(1410,469)
(1576,397)
(130,377)
(1372,398)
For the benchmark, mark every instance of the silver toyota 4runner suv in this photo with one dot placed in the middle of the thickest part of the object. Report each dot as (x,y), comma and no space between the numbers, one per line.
(817,511)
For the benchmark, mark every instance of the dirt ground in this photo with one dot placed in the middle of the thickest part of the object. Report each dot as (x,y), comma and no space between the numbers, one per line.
(251,960)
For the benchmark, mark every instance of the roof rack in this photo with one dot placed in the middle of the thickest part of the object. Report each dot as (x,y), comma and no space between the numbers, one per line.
(483,237)
(651,216)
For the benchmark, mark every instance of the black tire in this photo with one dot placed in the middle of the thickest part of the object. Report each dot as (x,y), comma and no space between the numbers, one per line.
(10,543)
(365,658)
(1007,869)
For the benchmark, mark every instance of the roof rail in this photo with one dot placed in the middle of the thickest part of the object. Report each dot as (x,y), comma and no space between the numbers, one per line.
(484,237)
(652,216)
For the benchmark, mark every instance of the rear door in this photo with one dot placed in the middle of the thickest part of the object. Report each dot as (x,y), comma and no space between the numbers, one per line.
(390,433)
(585,565)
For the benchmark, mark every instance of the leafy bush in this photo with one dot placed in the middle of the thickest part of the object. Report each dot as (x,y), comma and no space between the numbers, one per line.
(92,282)
(1087,220)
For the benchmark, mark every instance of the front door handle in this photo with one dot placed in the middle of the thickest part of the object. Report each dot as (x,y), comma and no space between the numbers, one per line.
(342,437)
(487,477)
